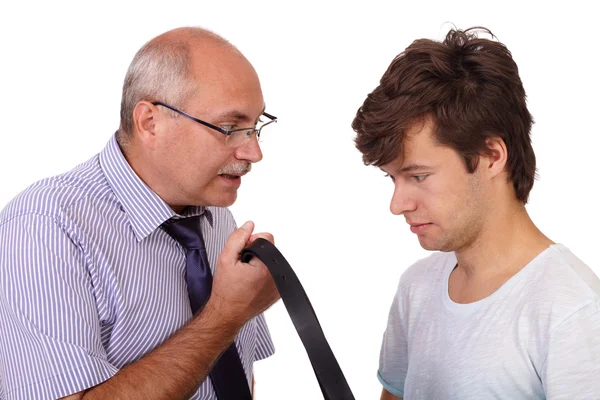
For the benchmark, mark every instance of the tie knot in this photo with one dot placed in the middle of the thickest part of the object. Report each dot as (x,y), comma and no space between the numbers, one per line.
(186,231)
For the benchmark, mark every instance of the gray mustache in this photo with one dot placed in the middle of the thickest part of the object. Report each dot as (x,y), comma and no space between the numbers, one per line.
(235,169)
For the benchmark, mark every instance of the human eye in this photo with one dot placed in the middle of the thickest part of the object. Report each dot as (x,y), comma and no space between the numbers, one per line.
(419,178)
(228,127)
(389,176)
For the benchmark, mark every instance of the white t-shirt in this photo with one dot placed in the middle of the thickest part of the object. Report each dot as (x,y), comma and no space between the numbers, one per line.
(536,337)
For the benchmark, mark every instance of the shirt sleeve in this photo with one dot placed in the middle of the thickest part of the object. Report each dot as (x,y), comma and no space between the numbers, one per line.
(264,345)
(393,358)
(572,366)
(50,344)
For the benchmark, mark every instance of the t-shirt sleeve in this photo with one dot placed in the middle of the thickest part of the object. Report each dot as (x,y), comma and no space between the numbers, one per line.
(572,366)
(393,359)
(50,344)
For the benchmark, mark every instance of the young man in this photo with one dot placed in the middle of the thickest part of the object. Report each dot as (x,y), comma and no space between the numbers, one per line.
(106,271)
(500,310)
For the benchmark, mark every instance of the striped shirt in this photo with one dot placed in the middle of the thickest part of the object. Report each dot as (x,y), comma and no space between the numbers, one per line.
(89,282)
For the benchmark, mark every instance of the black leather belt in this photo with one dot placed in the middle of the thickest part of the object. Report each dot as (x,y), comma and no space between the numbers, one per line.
(327,370)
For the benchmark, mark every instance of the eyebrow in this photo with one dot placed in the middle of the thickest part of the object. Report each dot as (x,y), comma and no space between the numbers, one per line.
(238,115)
(234,114)
(412,167)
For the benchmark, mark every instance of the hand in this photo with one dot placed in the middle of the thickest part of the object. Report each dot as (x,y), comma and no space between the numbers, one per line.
(241,291)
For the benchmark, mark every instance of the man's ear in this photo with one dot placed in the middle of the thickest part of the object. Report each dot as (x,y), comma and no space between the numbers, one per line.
(494,160)
(145,116)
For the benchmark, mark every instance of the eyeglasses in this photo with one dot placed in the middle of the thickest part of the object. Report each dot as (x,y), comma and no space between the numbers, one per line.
(233,137)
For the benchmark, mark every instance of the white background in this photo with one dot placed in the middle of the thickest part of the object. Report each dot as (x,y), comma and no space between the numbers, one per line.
(61,70)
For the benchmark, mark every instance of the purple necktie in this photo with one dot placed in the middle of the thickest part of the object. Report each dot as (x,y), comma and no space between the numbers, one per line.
(227,376)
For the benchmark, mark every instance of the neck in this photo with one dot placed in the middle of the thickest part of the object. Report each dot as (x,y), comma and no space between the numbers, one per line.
(139,164)
(506,244)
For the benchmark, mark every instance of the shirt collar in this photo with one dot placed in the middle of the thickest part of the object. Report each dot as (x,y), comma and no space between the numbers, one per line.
(145,210)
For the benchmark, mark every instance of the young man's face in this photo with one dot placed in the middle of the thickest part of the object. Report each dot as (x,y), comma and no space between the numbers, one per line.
(444,205)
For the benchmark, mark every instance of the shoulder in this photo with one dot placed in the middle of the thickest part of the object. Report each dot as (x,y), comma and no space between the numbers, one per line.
(55,196)
(565,274)
(562,284)
(578,273)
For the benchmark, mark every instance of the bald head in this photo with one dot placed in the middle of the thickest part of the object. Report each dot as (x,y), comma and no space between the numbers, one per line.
(188,34)
(170,67)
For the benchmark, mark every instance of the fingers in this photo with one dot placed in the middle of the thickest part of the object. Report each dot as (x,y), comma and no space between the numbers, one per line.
(264,235)
(236,242)
(255,262)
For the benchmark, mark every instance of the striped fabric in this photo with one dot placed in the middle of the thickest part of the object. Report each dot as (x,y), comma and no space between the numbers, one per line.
(89,282)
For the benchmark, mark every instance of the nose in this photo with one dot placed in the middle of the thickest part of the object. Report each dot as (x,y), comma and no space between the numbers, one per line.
(250,151)
(402,200)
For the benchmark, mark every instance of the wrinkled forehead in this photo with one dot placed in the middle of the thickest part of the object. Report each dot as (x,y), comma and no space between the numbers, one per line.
(226,83)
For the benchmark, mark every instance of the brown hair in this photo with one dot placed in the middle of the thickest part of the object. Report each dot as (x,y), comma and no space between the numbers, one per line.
(472,90)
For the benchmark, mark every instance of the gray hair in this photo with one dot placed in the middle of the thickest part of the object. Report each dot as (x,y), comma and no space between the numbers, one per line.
(160,72)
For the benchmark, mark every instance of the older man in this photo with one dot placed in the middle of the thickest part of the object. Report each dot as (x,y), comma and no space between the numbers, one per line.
(106,272)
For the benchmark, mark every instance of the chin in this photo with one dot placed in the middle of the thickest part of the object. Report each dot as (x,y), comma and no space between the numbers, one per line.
(224,200)
(431,245)
(443,247)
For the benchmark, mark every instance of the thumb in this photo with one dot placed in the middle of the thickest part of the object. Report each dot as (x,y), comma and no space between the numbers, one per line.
(236,242)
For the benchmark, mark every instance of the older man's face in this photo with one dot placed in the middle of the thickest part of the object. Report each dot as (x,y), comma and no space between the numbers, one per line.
(195,162)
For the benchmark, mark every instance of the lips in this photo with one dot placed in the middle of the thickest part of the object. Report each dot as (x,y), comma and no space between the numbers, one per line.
(419,227)
(413,223)
(229,176)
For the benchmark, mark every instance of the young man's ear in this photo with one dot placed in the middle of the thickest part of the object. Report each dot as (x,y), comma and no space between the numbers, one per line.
(496,157)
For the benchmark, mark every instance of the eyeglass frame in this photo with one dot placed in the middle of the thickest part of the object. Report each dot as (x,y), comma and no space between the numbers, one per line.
(218,128)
